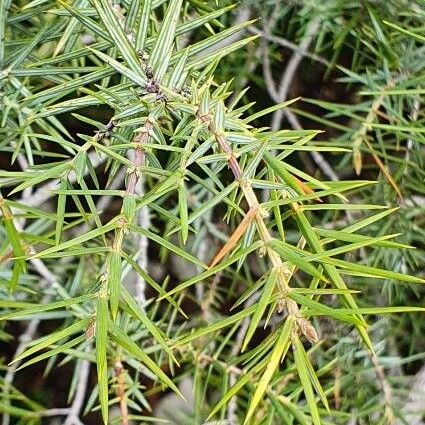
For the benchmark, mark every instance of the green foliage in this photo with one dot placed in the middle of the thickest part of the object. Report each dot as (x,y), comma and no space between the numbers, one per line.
(132,236)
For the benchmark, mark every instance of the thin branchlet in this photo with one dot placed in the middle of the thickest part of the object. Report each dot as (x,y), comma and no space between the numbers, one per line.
(284,271)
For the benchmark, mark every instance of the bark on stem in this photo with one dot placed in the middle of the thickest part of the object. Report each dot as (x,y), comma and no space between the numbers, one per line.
(251,198)
(120,391)
(131,186)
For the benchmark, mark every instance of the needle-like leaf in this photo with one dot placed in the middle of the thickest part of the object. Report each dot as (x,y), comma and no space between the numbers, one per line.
(280,349)
(161,52)
(102,322)
(303,374)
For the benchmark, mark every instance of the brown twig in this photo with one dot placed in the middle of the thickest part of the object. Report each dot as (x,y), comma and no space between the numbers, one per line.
(284,271)
(133,180)
(135,186)
(120,391)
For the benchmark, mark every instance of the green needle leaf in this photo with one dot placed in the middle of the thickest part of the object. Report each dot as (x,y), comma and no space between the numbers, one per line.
(281,347)
(114,281)
(129,345)
(46,307)
(53,338)
(261,306)
(107,15)
(303,373)
(102,321)
(184,222)
(161,52)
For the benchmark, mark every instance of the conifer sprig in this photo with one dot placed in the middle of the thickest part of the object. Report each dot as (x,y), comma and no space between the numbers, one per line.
(232,218)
